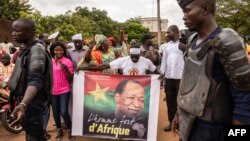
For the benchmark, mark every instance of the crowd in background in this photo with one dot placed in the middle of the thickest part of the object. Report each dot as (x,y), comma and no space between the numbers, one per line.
(104,55)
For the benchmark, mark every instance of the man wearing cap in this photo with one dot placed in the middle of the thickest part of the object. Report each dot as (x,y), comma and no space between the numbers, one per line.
(79,51)
(147,49)
(130,65)
(215,86)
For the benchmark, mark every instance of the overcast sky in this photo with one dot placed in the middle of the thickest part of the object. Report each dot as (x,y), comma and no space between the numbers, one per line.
(118,10)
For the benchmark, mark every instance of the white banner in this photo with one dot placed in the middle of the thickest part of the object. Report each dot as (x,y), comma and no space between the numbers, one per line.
(115,106)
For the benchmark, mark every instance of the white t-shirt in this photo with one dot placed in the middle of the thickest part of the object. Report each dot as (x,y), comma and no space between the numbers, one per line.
(130,68)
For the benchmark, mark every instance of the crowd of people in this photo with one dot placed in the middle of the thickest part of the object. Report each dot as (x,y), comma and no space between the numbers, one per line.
(206,77)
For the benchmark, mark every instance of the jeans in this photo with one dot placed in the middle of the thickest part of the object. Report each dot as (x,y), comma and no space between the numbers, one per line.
(60,105)
(46,115)
(32,122)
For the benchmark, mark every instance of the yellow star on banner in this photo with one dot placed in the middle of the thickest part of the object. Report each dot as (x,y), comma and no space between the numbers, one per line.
(99,93)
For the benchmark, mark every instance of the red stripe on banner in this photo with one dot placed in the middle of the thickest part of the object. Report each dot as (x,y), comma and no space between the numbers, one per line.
(111,81)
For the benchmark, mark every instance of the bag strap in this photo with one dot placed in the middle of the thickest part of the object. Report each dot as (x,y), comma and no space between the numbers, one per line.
(190,43)
(205,47)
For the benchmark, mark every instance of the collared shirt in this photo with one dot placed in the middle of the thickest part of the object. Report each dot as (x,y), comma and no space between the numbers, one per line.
(60,82)
(172,61)
(76,55)
(162,47)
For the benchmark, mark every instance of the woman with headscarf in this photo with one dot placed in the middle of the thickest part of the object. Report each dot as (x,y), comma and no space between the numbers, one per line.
(102,54)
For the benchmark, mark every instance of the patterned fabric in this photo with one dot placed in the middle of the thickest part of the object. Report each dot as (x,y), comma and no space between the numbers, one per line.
(122,50)
(103,58)
(5,71)
(99,39)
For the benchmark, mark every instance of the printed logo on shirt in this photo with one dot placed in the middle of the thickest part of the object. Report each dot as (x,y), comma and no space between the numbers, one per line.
(133,71)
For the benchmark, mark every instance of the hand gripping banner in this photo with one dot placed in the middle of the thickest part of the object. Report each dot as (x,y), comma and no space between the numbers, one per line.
(115,106)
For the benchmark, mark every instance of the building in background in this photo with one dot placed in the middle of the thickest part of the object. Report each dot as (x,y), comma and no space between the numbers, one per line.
(152,25)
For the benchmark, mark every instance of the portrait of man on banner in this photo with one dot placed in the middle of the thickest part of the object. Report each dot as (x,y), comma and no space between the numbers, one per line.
(116,106)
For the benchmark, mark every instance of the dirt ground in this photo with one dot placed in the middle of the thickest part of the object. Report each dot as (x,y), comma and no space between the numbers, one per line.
(161,135)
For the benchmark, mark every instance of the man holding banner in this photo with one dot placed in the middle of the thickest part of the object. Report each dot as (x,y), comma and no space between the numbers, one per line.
(130,65)
(115,106)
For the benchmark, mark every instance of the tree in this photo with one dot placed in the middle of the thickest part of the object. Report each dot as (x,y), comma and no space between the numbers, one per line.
(84,21)
(12,9)
(134,29)
(103,24)
(234,14)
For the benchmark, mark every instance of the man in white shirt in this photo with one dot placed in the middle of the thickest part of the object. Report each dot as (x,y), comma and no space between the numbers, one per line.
(172,67)
(130,65)
(163,46)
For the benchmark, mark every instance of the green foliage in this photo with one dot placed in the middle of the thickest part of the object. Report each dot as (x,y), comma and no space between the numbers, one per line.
(234,14)
(134,29)
(100,21)
(12,9)
(82,20)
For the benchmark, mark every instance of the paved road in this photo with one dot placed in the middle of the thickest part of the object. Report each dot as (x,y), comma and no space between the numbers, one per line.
(161,136)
